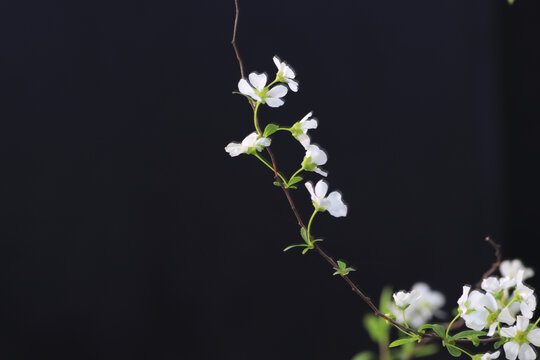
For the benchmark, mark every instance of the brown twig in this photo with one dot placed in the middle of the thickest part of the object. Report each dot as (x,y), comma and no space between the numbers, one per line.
(354,288)
(495,265)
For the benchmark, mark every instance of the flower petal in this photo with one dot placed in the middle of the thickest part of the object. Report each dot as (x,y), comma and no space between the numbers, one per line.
(526,352)
(309,187)
(320,171)
(306,125)
(249,141)
(534,336)
(277,62)
(274,102)
(235,149)
(317,155)
(509,332)
(321,188)
(277,91)
(258,80)
(338,209)
(522,323)
(293,85)
(304,140)
(246,89)
(511,350)
(506,317)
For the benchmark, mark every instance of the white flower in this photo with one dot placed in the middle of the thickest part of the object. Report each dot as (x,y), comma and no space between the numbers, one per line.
(286,74)
(299,130)
(518,346)
(472,308)
(488,356)
(251,143)
(425,304)
(313,158)
(510,269)
(494,285)
(404,299)
(258,92)
(333,202)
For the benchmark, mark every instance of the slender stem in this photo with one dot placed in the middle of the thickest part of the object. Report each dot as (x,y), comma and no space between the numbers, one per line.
(536,323)
(296,173)
(268,165)
(255,119)
(451,323)
(309,225)
(404,320)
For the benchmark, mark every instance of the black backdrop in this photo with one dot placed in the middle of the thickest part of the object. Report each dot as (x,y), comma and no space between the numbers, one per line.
(128,233)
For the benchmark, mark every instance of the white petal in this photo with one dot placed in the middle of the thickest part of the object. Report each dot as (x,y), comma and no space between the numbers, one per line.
(526,352)
(477,320)
(288,72)
(338,209)
(257,80)
(249,141)
(321,188)
(306,125)
(274,102)
(277,91)
(308,115)
(277,62)
(525,310)
(246,89)
(492,329)
(304,140)
(534,336)
(522,323)
(491,285)
(509,332)
(490,302)
(309,187)
(488,356)
(235,149)
(506,317)
(463,298)
(293,85)
(317,155)
(262,142)
(320,171)
(511,350)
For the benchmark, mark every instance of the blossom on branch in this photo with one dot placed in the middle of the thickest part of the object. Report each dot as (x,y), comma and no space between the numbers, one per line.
(285,74)
(253,142)
(405,299)
(314,157)
(520,336)
(333,202)
(510,269)
(299,130)
(257,90)
(488,356)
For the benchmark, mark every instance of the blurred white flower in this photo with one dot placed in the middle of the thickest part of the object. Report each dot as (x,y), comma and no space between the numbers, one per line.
(419,312)
(286,74)
(510,268)
(314,157)
(472,308)
(404,299)
(251,143)
(495,285)
(258,92)
(333,202)
(520,337)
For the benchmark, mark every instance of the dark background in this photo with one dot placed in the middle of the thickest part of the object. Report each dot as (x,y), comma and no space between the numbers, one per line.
(128,233)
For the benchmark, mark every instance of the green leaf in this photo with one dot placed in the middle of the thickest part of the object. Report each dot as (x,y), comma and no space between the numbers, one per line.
(400,342)
(293,246)
(306,250)
(499,343)
(426,350)
(316,240)
(373,326)
(475,340)
(294,180)
(292,187)
(303,234)
(467,334)
(341,264)
(364,355)
(276,183)
(439,329)
(270,129)
(455,352)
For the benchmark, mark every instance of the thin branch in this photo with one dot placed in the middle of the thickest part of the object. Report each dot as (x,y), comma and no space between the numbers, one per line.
(495,265)
(321,252)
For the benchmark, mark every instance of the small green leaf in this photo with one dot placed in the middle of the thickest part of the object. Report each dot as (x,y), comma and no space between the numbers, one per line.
(292,187)
(303,234)
(439,329)
(305,250)
(341,264)
(374,328)
(467,334)
(386,299)
(276,183)
(294,180)
(293,246)
(455,352)
(270,129)
(499,343)
(426,350)
(400,342)
(475,340)
(364,355)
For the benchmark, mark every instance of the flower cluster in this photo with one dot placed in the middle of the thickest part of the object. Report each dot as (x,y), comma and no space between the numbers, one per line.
(255,88)
(504,300)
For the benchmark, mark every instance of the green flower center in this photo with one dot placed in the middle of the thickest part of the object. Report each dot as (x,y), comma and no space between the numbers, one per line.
(521,337)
